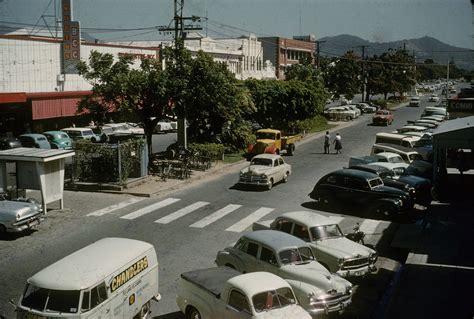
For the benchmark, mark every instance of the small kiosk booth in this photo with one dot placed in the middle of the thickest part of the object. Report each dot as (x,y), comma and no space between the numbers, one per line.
(35,169)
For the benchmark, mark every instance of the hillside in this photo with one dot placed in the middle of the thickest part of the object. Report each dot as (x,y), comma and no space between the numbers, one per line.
(423,48)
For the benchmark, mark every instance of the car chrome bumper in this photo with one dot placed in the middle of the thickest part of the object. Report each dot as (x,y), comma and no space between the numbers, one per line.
(255,182)
(357,272)
(332,306)
(29,223)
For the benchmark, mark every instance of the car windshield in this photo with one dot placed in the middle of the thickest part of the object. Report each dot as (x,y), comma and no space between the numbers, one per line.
(41,299)
(296,255)
(265,136)
(325,231)
(375,182)
(87,132)
(262,161)
(395,159)
(273,299)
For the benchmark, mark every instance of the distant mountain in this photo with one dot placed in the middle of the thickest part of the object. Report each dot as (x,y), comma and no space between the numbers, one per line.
(423,48)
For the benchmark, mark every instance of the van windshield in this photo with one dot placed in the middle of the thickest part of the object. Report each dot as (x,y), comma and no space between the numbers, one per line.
(48,300)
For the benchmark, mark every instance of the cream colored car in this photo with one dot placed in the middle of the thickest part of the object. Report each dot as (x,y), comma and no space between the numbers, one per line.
(265,170)
(331,248)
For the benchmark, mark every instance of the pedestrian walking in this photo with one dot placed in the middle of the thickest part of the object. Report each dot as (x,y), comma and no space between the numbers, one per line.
(327,143)
(337,143)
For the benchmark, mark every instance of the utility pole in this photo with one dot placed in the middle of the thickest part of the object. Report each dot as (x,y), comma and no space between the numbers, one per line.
(363,70)
(179,35)
(318,44)
(447,80)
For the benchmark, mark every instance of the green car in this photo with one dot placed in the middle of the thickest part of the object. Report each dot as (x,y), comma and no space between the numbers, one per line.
(59,140)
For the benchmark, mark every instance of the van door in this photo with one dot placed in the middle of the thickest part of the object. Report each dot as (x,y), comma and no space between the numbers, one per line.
(95,303)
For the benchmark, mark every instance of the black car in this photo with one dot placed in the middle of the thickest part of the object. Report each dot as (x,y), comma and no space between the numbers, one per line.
(7,143)
(352,186)
(418,187)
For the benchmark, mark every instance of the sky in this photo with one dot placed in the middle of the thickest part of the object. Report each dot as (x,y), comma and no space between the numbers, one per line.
(374,20)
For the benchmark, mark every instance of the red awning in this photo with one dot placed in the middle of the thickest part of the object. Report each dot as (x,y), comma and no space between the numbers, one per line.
(52,108)
(13,97)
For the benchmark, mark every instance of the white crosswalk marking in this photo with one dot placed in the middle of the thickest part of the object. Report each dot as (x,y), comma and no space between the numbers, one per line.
(215,216)
(118,206)
(250,219)
(180,213)
(368,226)
(150,208)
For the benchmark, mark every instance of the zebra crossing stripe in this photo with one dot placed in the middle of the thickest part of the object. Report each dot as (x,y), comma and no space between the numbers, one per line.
(215,216)
(114,207)
(150,208)
(368,226)
(249,220)
(180,213)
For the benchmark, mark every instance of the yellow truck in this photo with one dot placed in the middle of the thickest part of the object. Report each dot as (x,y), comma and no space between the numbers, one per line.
(273,142)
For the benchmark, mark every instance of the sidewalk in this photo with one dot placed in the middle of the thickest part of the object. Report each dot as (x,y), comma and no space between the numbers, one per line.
(437,279)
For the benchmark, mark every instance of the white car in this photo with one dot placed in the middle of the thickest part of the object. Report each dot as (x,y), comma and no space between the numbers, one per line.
(317,290)
(331,248)
(433,98)
(339,113)
(265,170)
(354,108)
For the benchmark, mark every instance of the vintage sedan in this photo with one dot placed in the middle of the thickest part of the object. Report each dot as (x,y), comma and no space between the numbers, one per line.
(384,117)
(366,108)
(19,215)
(331,248)
(265,170)
(355,187)
(58,140)
(433,98)
(340,113)
(287,256)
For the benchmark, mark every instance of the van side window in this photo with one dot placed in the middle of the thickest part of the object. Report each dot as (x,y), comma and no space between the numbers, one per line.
(98,295)
(278,136)
(86,300)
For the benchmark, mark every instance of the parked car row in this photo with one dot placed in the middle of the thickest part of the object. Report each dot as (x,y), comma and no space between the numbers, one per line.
(348,111)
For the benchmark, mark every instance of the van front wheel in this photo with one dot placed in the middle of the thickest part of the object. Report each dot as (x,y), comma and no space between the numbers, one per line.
(193,313)
(144,312)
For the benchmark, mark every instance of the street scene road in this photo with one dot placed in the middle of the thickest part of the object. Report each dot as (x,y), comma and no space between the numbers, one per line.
(188,227)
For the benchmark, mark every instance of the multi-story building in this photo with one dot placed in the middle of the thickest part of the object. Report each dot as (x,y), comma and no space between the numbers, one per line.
(35,92)
(283,52)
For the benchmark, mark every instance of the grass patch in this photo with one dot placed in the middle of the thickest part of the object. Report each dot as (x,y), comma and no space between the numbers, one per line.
(233,157)
(319,124)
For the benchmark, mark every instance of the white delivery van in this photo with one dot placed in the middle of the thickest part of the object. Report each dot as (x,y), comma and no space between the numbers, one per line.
(397,139)
(111,278)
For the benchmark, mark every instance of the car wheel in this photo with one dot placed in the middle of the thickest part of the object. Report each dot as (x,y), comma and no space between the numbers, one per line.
(230,266)
(3,229)
(193,313)
(348,118)
(285,178)
(270,184)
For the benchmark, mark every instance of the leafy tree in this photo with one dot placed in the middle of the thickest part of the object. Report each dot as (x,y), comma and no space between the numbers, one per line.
(212,100)
(121,86)
(280,104)
(305,70)
(342,75)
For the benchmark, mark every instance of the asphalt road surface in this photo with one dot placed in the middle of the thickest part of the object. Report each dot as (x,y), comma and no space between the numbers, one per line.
(189,241)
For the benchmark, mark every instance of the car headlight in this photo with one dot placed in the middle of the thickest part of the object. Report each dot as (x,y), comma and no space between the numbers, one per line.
(349,290)
(18,216)
(340,261)
(373,257)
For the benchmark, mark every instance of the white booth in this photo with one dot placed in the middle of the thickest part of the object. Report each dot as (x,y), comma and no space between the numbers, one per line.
(35,169)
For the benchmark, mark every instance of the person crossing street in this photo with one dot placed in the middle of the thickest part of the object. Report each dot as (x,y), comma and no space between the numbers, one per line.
(337,143)
(327,139)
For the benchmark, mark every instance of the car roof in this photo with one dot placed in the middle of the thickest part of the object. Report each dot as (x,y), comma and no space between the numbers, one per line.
(387,154)
(77,129)
(369,168)
(388,165)
(54,132)
(415,127)
(268,156)
(257,282)
(354,173)
(310,219)
(274,239)
(88,266)
(399,147)
(33,135)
